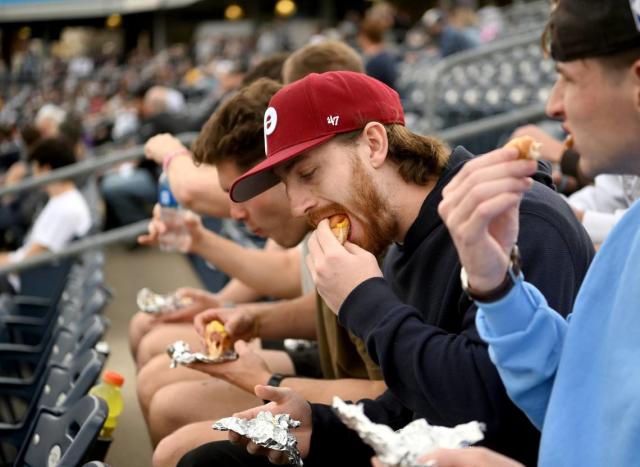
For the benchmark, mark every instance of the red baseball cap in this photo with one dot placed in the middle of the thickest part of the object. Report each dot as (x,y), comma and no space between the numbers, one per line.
(308,112)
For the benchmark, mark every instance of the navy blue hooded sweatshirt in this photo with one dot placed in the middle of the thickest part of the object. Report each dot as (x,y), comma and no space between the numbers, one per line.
(419,326)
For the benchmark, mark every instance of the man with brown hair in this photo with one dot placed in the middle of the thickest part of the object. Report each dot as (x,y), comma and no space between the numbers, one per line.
(224,140)
(319,58)
(340,147)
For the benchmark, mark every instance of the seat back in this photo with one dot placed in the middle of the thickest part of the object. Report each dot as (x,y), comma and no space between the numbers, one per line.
(63,439)
(46,281)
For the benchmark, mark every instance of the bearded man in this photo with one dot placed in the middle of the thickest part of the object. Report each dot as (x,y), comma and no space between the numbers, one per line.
(339,144)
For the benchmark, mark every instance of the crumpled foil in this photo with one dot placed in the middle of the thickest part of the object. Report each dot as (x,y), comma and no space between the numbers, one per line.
(180,354)
(404,447)
(266,430)
(151,302)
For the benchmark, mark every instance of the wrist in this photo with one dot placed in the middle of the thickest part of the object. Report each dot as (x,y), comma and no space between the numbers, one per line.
(492,291)
(168,158)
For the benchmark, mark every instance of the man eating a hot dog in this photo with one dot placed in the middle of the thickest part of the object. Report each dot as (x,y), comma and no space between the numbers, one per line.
(339,144)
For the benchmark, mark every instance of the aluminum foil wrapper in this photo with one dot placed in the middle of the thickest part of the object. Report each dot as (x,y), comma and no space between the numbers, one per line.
(266,430)
(404,447)
(151,302)
(180,354)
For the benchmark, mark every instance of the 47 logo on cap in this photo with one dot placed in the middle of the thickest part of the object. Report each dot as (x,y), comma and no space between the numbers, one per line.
(270,122)
(333,120)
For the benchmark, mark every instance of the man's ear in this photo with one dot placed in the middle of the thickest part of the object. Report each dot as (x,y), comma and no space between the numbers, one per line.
(375,137)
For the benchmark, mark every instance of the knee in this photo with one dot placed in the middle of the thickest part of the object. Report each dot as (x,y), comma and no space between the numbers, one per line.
(167,453)
(146,385)
(140,324)
(165,412)
(147,349)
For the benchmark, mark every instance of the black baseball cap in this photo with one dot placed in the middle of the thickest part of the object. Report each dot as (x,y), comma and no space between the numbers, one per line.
(593,28)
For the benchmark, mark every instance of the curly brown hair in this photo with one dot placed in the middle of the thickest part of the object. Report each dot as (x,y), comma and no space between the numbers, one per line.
(234,131)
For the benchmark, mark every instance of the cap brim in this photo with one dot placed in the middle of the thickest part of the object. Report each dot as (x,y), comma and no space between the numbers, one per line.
(261,177)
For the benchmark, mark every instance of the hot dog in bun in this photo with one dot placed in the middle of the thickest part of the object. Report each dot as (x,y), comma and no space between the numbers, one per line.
(217,339)
(527,147)
(339,224)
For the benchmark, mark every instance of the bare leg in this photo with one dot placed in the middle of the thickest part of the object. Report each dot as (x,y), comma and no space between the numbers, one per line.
(190,401)
(156,341)
(156,374)
(140,324)
(180,404)
(171,449)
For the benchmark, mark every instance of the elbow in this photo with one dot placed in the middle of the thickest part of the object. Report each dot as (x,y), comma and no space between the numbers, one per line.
(185,196)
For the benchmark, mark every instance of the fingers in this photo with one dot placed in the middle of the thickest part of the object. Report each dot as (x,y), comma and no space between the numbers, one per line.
(328,242)
(253,412)
(202,319)
(356,250)
(277,395)
(473,175)
(455,211)
(275,457)
(242,348)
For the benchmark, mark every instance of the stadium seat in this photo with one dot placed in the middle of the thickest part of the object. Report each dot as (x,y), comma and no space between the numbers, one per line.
(63,439)
(60,388)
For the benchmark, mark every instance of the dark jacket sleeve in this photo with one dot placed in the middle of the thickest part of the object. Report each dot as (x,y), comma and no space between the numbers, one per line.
(449,378)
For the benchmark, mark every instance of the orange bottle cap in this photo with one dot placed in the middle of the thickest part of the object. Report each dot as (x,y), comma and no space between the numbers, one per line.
(113,377)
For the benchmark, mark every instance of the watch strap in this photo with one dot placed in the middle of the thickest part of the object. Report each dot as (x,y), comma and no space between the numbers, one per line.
(275,380)
(513,272)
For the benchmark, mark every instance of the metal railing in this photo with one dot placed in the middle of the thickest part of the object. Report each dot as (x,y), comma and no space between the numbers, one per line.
(87,166)
(504,121)
(110,237)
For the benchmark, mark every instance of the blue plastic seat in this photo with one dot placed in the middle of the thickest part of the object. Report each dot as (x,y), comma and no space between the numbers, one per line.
(59,388)
(63,439)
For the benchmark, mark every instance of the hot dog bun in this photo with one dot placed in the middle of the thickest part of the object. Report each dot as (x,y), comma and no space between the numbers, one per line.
(339,224)
(528,147)
(217,339)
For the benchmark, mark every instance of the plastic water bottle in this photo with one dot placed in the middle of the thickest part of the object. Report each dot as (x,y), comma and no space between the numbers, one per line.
(109,391)
(176,237)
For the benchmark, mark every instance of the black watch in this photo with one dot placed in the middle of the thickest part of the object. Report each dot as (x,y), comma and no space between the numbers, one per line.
(514,273)
(275,381)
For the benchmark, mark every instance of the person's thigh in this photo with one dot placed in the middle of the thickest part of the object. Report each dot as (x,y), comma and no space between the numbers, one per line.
(222,453)
(177,444)
(199,401)
(161,336)
(139,325)
(157,374)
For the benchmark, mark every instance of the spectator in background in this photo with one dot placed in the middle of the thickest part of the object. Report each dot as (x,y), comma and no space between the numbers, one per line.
(48,120)
(131,190)
(270,67)
(448,39)
(229,75)
(600,206)
(325,56)
(9,149)
(65,216)
(566,173)
(380,63)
